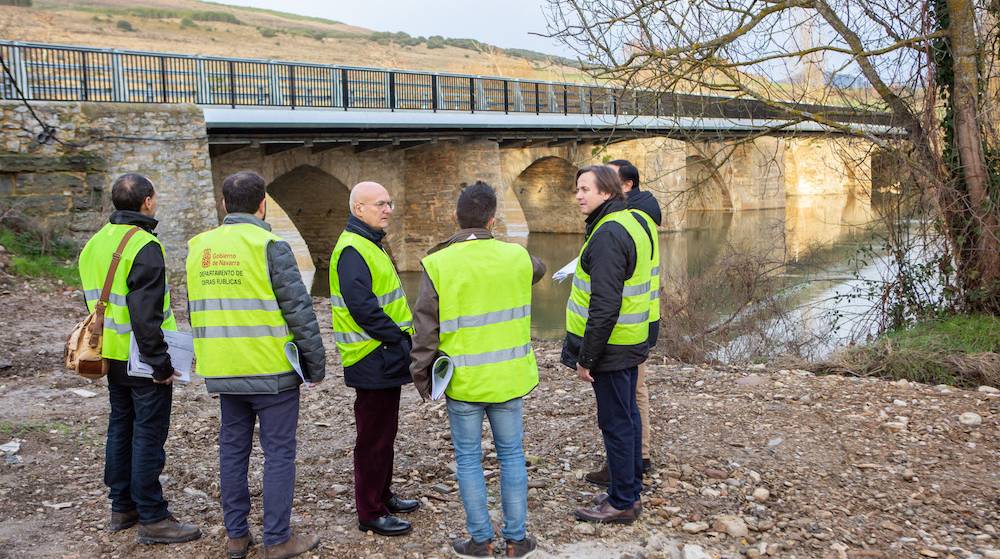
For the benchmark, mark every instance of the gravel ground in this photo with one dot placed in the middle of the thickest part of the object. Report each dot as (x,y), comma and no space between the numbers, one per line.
(748,462)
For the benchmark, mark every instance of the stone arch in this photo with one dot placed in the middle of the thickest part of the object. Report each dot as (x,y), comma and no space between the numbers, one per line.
(317,204)
(544,190)
(706,189)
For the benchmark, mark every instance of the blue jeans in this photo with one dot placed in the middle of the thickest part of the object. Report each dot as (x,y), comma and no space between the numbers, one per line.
(621,427)
(134,456)
(279,418)
(506,422)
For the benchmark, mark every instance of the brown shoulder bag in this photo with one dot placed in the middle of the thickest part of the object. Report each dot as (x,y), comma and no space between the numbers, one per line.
(83,348)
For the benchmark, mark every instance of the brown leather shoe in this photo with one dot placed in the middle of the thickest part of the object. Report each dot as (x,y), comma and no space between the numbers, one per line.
(636,506)
(237,548)
(168,530)
(292,547)
(604,513)
(600,477)
(123,520)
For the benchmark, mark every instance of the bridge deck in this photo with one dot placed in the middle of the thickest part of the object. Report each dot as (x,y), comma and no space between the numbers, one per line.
(239,95)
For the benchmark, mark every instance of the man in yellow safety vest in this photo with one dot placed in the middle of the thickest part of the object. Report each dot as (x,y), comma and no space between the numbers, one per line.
(372,326)
(475,307)
(139,305)
(247,304)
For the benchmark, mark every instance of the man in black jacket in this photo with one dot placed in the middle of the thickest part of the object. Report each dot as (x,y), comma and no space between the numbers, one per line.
(140,407)
(645,202)
(610,259)
(379,374)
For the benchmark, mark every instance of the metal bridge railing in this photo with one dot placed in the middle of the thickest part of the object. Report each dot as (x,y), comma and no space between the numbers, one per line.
(64,73)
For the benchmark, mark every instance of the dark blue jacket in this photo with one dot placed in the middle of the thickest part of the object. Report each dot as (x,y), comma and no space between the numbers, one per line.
(387,366)
(645,202)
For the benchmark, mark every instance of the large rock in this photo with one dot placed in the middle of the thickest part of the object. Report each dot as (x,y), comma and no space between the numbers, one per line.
(731,525)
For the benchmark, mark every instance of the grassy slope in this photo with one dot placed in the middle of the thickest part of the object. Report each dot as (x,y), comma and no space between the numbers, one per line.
(94,23)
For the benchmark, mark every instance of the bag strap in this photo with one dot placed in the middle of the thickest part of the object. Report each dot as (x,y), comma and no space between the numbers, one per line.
(115,259)
(97,326)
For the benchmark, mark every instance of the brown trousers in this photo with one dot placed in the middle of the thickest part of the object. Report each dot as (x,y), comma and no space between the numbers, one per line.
(642,399)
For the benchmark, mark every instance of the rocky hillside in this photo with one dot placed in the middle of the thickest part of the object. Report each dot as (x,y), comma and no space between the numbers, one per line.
(191,27)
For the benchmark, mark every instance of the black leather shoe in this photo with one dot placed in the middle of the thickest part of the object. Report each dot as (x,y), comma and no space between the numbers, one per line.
(387,525)
(399,505)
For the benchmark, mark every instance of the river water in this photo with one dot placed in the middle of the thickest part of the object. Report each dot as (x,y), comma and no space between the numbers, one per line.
(812,243)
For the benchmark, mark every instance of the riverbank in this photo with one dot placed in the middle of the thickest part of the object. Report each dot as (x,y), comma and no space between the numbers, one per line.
(748,462)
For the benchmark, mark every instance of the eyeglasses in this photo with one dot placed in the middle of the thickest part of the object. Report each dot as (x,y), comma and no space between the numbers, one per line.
(381,204)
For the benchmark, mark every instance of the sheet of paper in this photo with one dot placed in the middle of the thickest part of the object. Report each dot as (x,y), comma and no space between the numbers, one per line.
(441,372)
(566,271)
(292,353)
(180,346)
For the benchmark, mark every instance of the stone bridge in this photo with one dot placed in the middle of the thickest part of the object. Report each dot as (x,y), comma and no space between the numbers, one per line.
(313,131)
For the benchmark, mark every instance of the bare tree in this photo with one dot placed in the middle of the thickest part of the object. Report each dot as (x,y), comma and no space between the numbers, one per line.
(931,64)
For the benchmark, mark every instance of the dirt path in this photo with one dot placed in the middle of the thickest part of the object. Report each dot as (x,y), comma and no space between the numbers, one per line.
(840,467)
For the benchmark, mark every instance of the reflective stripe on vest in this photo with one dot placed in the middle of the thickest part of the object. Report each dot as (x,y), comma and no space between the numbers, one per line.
(95,260)
(353,342)
(654,272)
(238,327)
(632,326)
(484,312)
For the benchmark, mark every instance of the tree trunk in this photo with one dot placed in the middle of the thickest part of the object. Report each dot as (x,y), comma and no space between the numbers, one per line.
(979,255)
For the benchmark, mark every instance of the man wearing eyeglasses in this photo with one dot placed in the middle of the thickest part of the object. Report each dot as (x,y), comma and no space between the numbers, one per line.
(372,326)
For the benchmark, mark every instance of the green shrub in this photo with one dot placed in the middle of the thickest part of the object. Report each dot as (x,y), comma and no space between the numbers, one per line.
(124,25)
(223,17)
(267,32)
(188,23)
(37,257)
(962,350)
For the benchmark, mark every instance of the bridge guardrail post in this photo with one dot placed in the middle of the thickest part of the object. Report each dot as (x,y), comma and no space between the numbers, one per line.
(232,84)
(291,85)
(506,97)
(163,79)
(472,95)
(565,100)
(392,91)
(345,88)
(434,92)
(537,100)
(84,77)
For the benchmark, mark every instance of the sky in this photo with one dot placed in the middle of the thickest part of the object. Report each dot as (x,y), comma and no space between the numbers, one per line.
(506,23)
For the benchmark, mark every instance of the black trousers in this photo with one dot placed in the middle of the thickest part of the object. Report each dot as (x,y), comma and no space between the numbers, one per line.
(134,455)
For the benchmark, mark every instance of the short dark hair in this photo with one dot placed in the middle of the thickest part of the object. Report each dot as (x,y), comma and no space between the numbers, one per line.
(608,181)
(243,192)
(130,190)
(627,171)
(477,203)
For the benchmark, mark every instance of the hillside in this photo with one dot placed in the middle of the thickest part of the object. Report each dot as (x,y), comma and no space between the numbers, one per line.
(192,27)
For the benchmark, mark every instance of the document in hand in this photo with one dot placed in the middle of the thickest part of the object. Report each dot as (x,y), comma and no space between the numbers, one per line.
(566,271)
(180,346)
(292,353)
(441,372)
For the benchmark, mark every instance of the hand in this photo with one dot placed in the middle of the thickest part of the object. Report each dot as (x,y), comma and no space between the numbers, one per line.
(583,373)
(170,379)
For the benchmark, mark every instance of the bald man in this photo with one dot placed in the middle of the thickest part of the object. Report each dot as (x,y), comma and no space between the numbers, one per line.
(372,326)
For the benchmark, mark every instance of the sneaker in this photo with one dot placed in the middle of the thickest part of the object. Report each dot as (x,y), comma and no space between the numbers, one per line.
(521,548)
(472,548)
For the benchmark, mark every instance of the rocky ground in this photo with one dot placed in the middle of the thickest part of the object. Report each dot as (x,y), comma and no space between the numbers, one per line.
(748,463)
